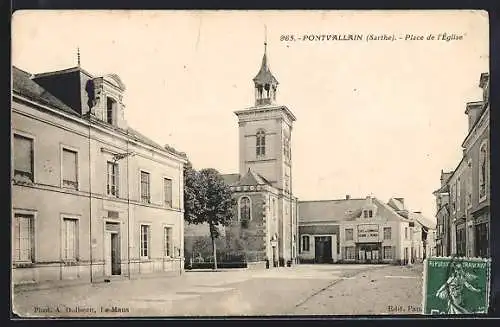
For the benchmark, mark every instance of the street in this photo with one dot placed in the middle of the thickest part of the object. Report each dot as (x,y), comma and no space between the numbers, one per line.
(298,290)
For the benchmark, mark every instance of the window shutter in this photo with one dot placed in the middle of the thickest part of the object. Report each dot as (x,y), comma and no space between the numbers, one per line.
(117,180)
(69,165)
(23,154)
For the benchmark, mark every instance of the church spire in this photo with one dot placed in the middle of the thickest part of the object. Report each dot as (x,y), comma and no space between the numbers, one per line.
(265,83)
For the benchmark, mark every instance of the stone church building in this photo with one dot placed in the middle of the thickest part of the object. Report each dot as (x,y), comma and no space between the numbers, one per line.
(264,225)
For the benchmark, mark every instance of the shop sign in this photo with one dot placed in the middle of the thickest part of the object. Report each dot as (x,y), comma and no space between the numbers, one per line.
(368,233)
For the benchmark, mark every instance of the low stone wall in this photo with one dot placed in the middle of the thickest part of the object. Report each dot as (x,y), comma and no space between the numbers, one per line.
(257,265)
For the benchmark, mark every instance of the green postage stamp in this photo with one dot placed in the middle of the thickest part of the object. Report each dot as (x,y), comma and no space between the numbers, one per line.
(456,285)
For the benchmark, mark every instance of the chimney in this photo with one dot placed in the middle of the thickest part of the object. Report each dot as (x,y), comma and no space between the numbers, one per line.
(347,197)
(473,111)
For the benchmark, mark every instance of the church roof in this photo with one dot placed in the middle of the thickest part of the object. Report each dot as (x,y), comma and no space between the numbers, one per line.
(251,178)
(264,76)
(231,179)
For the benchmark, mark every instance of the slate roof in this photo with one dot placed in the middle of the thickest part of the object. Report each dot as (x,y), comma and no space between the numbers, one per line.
(342,210)
(250,178)
(23,84)
(396,204)
(424,221)
(231,179)
(264,76)
(329,210)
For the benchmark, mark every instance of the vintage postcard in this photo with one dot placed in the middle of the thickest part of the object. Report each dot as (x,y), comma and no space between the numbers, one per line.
(249,163)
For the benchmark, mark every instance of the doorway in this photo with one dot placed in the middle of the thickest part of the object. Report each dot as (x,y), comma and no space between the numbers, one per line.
(369,252)
(323,249)
(112,253)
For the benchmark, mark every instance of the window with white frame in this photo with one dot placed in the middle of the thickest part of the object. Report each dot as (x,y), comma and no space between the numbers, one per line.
(167,191)
(387,252)
(145,187)
(112,179)
(483,170)
(350,253)
(23,157)
(167,242)
(145,241)
(260,146)
(70,239)
(305,243)
(70,169)
(349,234)
(387,233)
(24,234)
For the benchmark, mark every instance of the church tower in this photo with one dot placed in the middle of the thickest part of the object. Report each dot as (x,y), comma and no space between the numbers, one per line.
(265,136)
(265,131)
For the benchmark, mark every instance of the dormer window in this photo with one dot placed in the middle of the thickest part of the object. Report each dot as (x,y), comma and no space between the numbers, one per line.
(368,213)
(111,111)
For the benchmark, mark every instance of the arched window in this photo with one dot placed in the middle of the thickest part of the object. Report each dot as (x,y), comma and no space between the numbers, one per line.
(483,170)
(261,143)
(245,210)
(305,243)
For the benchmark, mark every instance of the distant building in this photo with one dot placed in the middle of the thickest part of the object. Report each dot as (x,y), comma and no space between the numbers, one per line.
(463,200)
(364,230)
(92,198)
(265,217)
(443,227)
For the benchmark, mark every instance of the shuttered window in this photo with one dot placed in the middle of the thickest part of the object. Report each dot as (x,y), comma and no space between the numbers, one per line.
(70,239)
(145,193)
(167,242)
(23,157)
(23,249)
(70,168)
(145,241)
(112,179)
(167,189)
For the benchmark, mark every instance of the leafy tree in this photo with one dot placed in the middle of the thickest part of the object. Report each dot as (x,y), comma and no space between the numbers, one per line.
(192,188)
(207,199)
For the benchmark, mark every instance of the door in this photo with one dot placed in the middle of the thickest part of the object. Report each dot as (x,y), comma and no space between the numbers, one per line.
(362,255)
(115,254)
(375,255)
(323,249)
(107,253)
(368,254)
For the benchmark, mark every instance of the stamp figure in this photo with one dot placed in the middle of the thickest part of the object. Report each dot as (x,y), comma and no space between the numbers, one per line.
(456,285)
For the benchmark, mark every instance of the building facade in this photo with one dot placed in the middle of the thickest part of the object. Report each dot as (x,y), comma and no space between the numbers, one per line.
(364,230)
(92,198)
(463,200)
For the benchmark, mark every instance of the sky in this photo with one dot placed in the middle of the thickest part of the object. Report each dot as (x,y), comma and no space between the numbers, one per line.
(373,117)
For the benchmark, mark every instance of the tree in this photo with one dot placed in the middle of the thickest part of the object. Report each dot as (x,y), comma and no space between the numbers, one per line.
(207,199)
(192,187)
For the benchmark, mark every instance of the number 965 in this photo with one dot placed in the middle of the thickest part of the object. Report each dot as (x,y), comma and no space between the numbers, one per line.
(287,38)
